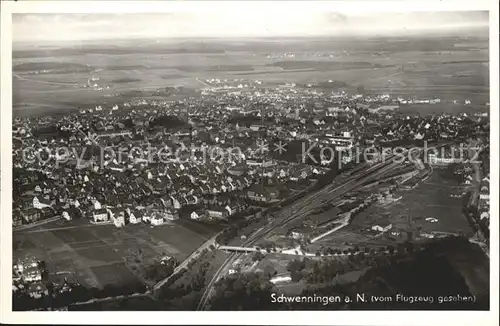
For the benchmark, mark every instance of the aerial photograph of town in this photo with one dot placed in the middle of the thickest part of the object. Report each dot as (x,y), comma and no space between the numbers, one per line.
(190,162)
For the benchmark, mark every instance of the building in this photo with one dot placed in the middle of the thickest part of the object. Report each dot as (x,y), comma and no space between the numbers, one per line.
(17,220)
(40,203)
(233,209)
(157,219)
(134,217)
(66,216)
(32,273)
(197,214)
(297,235)
(47,212)
(72,213)
(281,279)
(484,193)
(217,212)
(37,290)
(118,218)
(100,216)
(382,227)
(171,215)
(146,216)
(343,141)
(443,158)
(31,215)
(262,194)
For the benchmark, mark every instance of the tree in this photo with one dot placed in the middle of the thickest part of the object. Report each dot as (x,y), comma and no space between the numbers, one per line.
(295,265)
(296,276)
(258,256)
(409,247)
(318,254)
(391,249)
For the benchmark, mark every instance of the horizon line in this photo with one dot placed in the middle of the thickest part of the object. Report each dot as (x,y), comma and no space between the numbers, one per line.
(437,32)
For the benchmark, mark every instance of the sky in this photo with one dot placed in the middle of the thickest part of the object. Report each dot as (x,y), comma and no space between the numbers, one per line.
(77,27)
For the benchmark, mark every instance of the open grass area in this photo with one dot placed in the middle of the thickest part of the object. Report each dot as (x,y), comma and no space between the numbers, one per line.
(115,274)
(74,235)
(432,198)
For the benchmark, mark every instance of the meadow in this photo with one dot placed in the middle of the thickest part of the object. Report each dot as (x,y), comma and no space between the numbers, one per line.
(95,255)
(429,199)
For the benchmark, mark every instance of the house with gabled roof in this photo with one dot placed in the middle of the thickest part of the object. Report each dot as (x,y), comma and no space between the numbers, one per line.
(197,214)
(118,217)
(40,203)
(100,216)
(217,212)
(157,219)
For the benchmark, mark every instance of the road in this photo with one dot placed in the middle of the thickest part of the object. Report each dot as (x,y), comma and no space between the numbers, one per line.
(32,225)
(99,300)
(203,82)
(307,204)
(298,210)
(345,222)
(61,227)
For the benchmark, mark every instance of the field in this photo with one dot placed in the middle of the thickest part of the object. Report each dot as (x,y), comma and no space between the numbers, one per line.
(95,255)
(54,79)
(432,198)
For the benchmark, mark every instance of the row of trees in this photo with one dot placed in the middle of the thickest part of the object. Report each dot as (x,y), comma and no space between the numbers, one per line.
(184,292)
(23,302)
(233,230)
(424,272)
(356,250)
(326,270)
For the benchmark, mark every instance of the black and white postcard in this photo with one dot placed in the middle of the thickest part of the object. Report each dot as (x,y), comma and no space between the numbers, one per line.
(334,159)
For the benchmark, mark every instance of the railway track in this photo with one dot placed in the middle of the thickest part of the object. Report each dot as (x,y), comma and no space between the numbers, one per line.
(307,204)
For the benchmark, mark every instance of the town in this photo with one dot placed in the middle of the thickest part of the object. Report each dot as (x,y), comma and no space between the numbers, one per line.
(103,165)
(295,158)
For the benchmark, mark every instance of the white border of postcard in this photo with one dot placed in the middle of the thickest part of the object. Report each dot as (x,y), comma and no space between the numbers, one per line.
(282,318)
